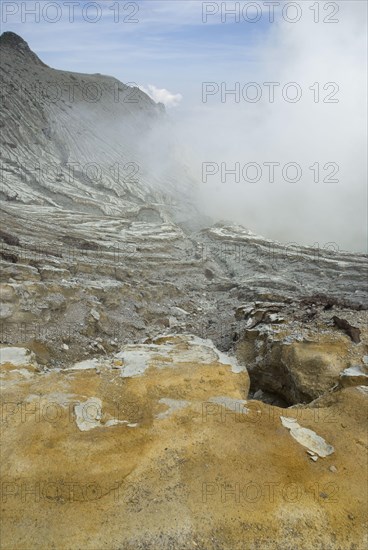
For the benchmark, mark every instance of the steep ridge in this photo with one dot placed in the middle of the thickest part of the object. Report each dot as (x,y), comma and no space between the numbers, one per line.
(82,141)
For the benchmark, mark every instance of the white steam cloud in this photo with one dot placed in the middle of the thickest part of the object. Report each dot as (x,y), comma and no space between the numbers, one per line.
(161,95)
(326,138)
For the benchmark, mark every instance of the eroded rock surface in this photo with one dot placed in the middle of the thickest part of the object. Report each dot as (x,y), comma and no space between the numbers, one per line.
(119,430)
(173,456)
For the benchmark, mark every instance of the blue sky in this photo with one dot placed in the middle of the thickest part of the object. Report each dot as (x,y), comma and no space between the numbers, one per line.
(169,47)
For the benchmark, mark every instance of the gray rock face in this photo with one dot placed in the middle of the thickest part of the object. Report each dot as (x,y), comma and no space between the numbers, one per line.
(97,218)
(13,45)
(85,143)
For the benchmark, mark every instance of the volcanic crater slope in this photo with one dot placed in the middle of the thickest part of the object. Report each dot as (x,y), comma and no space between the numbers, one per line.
(187,342)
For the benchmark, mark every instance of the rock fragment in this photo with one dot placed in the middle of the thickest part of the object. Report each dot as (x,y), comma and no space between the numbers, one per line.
(308,438)
(352,332)
(354,376)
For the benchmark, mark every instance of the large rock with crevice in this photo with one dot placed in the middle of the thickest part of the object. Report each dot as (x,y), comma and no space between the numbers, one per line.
(297,360)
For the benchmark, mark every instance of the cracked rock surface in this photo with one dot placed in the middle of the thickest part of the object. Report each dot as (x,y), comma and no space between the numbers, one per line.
(110,454)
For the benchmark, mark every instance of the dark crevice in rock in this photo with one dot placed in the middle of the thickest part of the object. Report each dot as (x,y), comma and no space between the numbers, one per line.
(269,397)
(282,393)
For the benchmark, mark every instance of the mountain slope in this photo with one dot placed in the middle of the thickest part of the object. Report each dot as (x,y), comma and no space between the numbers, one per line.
(77,238)
(86,142)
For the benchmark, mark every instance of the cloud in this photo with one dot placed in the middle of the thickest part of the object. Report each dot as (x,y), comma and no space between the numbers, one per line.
(325,131)
(161,95)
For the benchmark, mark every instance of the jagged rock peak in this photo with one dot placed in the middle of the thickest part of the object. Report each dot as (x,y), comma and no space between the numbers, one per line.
(18,44)
(12,39)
